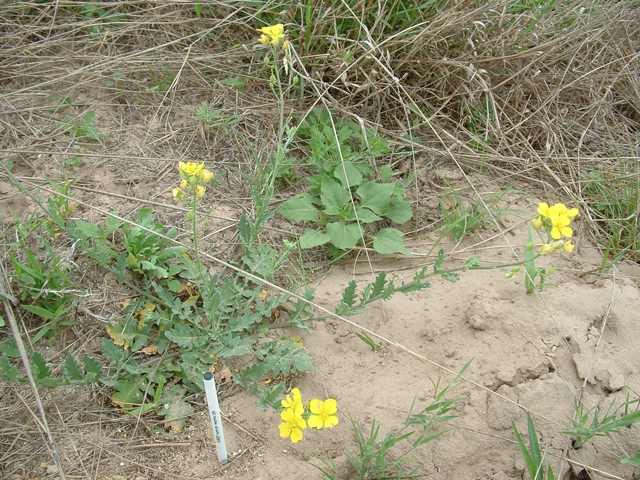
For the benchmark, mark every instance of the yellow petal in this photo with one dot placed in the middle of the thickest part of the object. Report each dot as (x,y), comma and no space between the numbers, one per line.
(296,435)
(331,421)
(568,246)
(285,430)
(330,406)
(316,406)
(316,421)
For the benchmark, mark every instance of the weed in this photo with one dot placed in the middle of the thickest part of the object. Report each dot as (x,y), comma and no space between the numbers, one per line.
(211,118)
(369,341)
(583,431)
(44,280)
(461,218)
(81,127)
(533,457)
(343,197)
(162,82)
(616,205)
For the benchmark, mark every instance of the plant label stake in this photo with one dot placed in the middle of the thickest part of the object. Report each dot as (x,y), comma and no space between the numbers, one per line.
(216,419)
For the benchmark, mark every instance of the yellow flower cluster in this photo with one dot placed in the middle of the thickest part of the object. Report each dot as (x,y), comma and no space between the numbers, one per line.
(194,177)
(273,35)
(320,415)
(556,220)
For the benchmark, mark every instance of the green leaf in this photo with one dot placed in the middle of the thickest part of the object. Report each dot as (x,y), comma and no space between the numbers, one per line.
(473,262)
(399,211)
(72,371)
(93,369)
(313,238)
(9,371)
(270,396)
(284,358)
(376,196)
(388,241)
(175,409)
(386,173)
(301,207)
(89,229)
(174,285)
(353,177)
(366,216)
(42,312)
(344,236)
(185,336)
(39,367)
(128,393)
(114,353)
(334,197)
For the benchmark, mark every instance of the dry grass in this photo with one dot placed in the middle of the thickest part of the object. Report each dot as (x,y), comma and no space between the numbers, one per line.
(546,93)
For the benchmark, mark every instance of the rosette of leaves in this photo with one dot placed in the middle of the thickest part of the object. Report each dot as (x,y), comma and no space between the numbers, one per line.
(347,209)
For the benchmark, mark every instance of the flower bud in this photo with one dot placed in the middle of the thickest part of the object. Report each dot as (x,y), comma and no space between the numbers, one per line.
(206,175)
(537,223)
(568,246)
(547,248)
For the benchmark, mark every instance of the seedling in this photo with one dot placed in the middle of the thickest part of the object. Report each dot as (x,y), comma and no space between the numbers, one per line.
(81,127)
(369,341)
(533,457)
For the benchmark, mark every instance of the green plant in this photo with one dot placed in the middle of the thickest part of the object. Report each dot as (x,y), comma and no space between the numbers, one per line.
(211,118)
(72,373)
(460,217)
(555,221)
(81,127)
(615,202)
(533,457)
(369,341)
(44,280)
(344,199)
(60,204)
(583,431)
(162,82)
(149,254)
(374,458)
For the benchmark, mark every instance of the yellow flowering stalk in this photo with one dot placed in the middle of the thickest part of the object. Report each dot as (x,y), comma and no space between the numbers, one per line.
(273,35)
(555,220)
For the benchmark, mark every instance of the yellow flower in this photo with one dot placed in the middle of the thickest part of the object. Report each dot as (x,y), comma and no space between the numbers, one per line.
(294,402)
(547,248)
(178,194)
(205,175)
(190,168)
(543,209)
(562,209)
(274,34)
(323,413)
(184,184)
(568,246)
(537,223)
(285,45)
(200,190)
(560,226)
(292,425)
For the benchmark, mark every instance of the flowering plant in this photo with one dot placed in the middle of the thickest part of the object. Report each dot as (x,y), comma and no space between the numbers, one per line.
(295,416)
(555,220)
